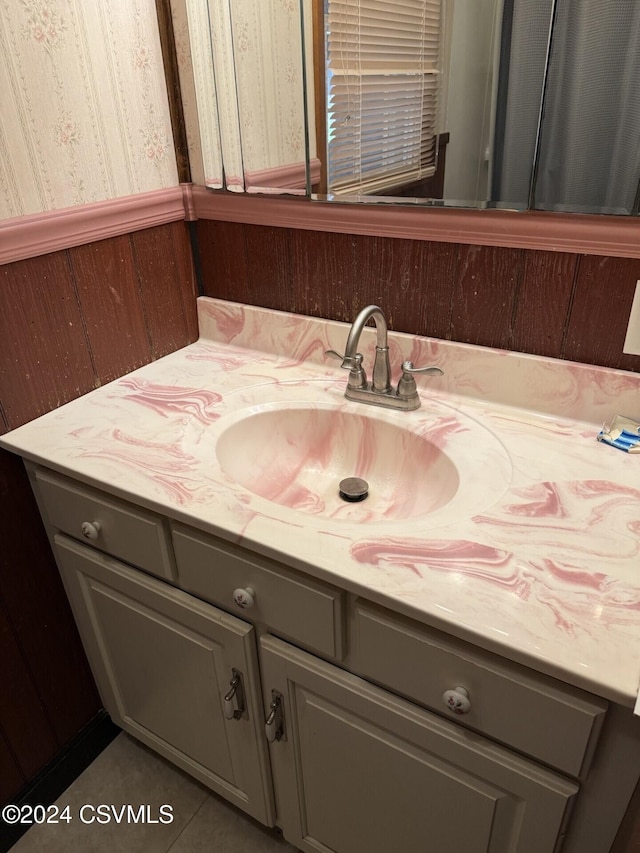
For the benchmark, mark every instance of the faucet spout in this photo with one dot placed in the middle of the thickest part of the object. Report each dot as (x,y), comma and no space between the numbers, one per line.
(378,392)
(381,382)
(358,325)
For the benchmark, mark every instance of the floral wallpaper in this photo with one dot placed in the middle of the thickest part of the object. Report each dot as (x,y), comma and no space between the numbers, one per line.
(83,106)
(268,59)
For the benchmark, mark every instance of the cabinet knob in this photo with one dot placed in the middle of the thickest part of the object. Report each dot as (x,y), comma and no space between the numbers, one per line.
(244,598)
(457,700)
(90,529)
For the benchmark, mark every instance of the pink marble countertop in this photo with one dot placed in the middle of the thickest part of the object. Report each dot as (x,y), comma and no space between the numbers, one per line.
(537,558)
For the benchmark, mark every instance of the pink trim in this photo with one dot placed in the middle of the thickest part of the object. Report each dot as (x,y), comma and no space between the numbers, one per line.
(38,234)
(553,232)
(41,233)
(187,202)
(290,177)
(315,167)
(276,191)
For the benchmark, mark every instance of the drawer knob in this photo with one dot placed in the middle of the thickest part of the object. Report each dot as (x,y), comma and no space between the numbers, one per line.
(244,598)
(90,529)
(457,700)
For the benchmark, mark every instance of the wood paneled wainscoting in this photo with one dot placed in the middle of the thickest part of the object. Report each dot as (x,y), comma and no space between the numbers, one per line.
(69,322)
(551,303)
(79,317)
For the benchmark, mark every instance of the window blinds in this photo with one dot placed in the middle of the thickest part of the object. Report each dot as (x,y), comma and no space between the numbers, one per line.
(383,60)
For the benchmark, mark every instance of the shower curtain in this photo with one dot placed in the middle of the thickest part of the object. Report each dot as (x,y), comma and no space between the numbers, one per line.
(589,158)
(523,58)
(588,151)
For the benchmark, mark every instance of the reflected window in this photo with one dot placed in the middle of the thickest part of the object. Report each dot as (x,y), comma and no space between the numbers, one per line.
(383,73)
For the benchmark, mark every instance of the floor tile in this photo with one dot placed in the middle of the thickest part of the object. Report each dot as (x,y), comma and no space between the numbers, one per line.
(126,773)
(218,826)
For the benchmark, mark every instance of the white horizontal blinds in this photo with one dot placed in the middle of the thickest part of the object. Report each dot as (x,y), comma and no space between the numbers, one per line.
(383,59)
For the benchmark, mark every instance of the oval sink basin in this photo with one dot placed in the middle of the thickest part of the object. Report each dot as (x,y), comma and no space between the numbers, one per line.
(287,446)
(297,456)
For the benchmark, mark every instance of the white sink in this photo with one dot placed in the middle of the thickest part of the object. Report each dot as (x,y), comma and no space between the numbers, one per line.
(289,446)
(297,455)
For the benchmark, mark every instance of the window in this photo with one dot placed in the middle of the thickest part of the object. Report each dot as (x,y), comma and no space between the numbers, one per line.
(382,84)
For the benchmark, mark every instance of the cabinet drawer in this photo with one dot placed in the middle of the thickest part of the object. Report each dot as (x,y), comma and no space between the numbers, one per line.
(537,715)
(128,532)
(302,610)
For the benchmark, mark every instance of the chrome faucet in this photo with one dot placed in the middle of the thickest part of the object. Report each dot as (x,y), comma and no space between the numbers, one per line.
(379,392)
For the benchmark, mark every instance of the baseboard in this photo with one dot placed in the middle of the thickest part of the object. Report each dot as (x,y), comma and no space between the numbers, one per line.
(65,768)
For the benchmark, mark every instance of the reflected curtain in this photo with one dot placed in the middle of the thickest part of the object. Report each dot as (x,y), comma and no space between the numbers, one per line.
(591,117)
(523,58)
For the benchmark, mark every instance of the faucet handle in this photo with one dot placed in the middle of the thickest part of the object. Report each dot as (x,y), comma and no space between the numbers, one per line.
(357,376)
(348,363)
(407,367)
(407,384)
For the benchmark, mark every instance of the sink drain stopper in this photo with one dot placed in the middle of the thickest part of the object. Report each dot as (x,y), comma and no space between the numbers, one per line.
(353,489)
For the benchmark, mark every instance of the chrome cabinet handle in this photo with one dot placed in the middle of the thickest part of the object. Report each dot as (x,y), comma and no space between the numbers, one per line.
(274,724)
(234,698)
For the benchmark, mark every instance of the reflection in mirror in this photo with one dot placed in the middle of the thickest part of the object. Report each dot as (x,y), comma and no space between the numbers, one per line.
(520,76)
(590,138)
(242,82)
(414,93)
(382,87)
(469,125)
(576,151)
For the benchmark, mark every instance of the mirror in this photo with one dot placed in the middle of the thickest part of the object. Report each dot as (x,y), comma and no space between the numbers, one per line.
(538,102)
(418,84)
(589,158)
(242,89)
(527,103)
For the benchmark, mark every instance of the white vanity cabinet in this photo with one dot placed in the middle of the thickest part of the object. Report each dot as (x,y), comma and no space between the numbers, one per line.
(358,769)
(163,661)
(338,729)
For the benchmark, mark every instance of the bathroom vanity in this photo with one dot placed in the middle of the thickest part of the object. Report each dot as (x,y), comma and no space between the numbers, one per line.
(453,668)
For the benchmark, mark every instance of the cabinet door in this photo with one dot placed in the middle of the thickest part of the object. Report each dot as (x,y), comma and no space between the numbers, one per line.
(163,662)
(359,769)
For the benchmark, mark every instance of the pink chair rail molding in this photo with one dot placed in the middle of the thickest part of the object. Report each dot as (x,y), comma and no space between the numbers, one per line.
(39,234)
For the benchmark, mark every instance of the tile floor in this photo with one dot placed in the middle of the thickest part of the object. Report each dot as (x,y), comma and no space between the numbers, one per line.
(129,773)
